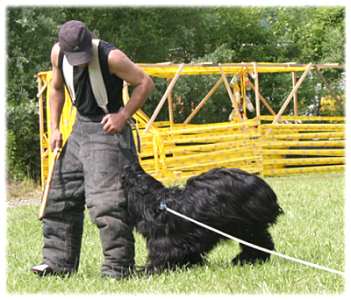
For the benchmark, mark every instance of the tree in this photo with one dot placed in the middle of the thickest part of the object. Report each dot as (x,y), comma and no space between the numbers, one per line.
(158,34)
(24,61)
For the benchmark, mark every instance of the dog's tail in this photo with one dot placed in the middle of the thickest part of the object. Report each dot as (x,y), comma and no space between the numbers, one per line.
(255,200)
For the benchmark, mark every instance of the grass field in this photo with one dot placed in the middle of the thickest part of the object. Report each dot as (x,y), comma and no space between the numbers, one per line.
(312,229)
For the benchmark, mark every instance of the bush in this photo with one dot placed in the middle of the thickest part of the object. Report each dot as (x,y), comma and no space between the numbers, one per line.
(23,147)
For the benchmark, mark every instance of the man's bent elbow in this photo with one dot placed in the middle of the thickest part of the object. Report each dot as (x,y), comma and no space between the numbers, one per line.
(150,84)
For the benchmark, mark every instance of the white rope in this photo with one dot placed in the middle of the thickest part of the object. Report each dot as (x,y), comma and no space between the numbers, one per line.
(300,261)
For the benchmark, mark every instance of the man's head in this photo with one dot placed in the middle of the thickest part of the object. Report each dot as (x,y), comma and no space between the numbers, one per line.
(75,40)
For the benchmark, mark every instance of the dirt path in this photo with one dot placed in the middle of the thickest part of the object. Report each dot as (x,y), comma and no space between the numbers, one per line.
(19,194)
(22,202)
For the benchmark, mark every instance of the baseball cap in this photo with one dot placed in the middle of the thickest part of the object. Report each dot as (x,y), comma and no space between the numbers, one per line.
(75,42)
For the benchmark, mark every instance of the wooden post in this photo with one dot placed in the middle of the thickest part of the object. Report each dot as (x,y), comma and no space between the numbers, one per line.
(263,100)
(203,101)
(164,98)
(286,102)
(293,78)
(243,94)
(227,86)
(257,98)
(45,194)
(170,106)
(42,89)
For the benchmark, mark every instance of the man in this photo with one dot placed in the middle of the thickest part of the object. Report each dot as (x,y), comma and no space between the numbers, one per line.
(89,167)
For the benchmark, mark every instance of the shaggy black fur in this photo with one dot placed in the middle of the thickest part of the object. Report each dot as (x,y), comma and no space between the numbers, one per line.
(230,200)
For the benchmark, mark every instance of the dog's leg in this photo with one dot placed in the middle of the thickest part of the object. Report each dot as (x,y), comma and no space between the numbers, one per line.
(161,255)
(195,259)
(165,253)
(249,255)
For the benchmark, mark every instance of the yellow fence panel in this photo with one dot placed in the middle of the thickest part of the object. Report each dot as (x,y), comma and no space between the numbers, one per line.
(171,152)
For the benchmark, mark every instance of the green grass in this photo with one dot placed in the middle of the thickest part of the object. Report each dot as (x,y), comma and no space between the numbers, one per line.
(311,229)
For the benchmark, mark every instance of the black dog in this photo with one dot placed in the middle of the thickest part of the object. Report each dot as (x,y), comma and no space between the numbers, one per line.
(230,200)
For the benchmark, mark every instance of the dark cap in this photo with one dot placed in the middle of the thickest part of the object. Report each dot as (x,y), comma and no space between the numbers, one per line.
(75,42)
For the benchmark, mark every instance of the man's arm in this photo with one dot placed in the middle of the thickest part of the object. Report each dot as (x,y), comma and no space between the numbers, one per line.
(57,100)
(121,66)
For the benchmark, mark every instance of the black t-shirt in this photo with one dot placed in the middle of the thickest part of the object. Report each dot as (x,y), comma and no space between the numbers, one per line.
(85,100)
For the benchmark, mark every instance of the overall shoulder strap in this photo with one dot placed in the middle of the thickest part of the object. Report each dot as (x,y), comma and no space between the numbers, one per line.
(67,70)
(96,80)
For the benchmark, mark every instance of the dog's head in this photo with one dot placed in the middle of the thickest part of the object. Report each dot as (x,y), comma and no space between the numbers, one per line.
(135,177)
(143,195)
(130,173)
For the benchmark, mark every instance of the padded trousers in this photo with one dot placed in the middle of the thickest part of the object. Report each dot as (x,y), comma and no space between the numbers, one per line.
(88,173)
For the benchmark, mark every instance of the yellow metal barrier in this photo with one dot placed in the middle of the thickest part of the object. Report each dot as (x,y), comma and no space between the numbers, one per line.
(171,152)
(304,147)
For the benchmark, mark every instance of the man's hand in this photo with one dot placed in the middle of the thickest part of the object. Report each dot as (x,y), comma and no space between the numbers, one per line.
(115,122)
(56,139)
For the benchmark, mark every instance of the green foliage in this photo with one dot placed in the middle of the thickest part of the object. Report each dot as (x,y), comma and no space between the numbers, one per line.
(305,34)
(23,146)
(158,34)
(313,205)
(24,61)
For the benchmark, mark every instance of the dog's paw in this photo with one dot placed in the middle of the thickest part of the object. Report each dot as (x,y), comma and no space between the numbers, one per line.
(241,260)
(152,270)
